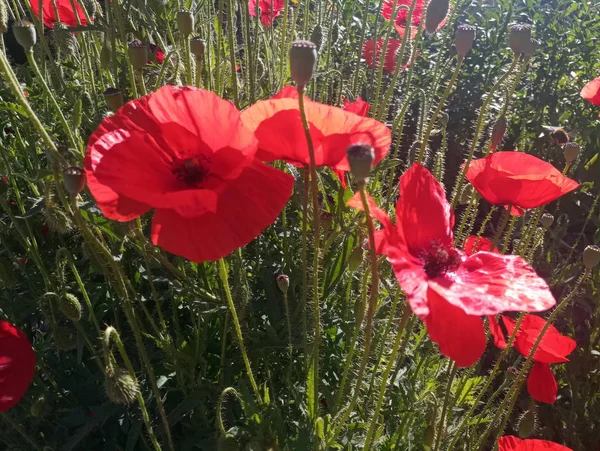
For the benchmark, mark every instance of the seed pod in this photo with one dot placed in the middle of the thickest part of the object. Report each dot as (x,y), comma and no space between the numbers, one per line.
(113,98)
(120,387)
(591,257)
(436,13)
(74,180)
(197,47)
(356,258)
(360,159)
(560,136)
(519,38)
(3,17)
(66,43)
(283,282)
(65,338)
(527,423)
(547,220)
(317,36)
(185,22)
(70,307)
(25,34)
(38,407)
(138,54)
(530,49)
(465,36)
(303,60)
(571,152)
(498,132)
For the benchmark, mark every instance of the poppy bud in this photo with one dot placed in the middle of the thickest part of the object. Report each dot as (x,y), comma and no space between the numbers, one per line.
(530,48)
(65,41)
(25,34)
(498,132)
(70,307)
(283,282)
(113,98)
(436,12)
(326,221)
(105,57)
(465,36)
(185,22)
(527,423)
(317,36)
(571,152)
(38,407)
(65,338)
(3,17)
(74,180)
(444,118)
(356,258)
(138,54)
(197,46)
(303,60)
(591,257)
(428,436)
(547,220)
(120,387)
(519,38)
(360,159)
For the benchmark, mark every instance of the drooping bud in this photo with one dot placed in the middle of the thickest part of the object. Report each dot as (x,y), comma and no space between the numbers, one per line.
(70,307)
(326,220)
(74,180)
(303,60)
(519,38)
(498,132)
(113,98)
(185,22)
(38,407)
(530,48)
(283,282)
(25,34)
(356,258)
(547,220)
(436,12)
(444,118)
(591,257)
(197,47)
(64,39)
(465,36)
(360,159)
(105,56)
(65,338)
(527,423)
(317,36)
(3,17)
(138,54)
(571,152)
(120,387)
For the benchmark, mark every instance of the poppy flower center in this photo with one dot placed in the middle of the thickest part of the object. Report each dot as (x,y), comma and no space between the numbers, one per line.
(439,259)
(191,171)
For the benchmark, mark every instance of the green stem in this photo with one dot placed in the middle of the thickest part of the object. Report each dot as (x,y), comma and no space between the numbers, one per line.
(452,368)
(188,60)
(25,434)
(231,36)
(505,217)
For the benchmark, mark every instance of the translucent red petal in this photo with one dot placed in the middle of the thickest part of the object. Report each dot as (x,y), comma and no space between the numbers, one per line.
(17,365)
(511,443)
(541,384)
(65,12)
(591,91)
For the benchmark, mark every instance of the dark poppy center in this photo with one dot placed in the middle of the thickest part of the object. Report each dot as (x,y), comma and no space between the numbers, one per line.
(439,259)
(191,171)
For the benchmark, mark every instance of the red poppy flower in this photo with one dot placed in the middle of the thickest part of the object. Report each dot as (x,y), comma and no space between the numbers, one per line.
(518,179)
(475,244)
(402,8)
(278,128)
(371,52)
(17,365)
(359,106)
(553,348)
(591,92)
(287,92)
(196,166)
(157,53)
(268,10)
(511,443)
(448,290)
(65,12)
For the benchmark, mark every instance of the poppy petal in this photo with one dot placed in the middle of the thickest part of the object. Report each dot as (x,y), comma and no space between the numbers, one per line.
(591,92)
(496,332)
(541,384)
(372,49)
(359,106)
(17,365)
(245,208)
(487,284)
(460,337)
(401,22)
(423,213)
(474,244)
(288,92)
(341,175)
(65,12)
(512,443)
(376,212)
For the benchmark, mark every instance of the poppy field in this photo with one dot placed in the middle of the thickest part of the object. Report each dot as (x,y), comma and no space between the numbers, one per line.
(267,225)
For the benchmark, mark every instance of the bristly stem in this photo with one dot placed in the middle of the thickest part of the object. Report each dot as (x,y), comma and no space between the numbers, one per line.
(313,369)
(238,329)
(231,36)
(505,217)
(452,368)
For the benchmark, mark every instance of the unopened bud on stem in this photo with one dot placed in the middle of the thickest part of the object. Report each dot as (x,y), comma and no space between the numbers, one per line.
(25,34)
(436,12)
(591,257)
(360,159)
(283,282)
(303,60)
(519,38)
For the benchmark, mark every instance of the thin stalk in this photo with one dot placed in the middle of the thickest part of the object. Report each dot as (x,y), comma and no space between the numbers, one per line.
(25,434)
(505,217)
(188,61)
(230,35)
(508,234)
(452,368)
(116,8)
(304,258)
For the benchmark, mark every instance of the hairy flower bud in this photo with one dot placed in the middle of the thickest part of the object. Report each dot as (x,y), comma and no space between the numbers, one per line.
(185,22)
(113,98)
(547,220)
(197,47)
(25,34)
(498,132)
(283,282)
(356,258)
(120,387)
(317,36)
(74,180)
(571,152)
(519,38)
(303,60)
(527,423)
(64,39)
(360,159)
(70,307)
(138,54)
(436,12)
(591,257)
(465,36)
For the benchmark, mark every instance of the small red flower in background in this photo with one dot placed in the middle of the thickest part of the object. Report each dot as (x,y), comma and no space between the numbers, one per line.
(359,106)
(474,244)
(371,52)
(401,22)
(511,443)
(157,53)
(5,180)
(196,166)
(17,365)
(65,12)
(45,230)
(278,128)
(22,260)
(518,179)
(591,92)
(268,10)
(553,348)
(448,290)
